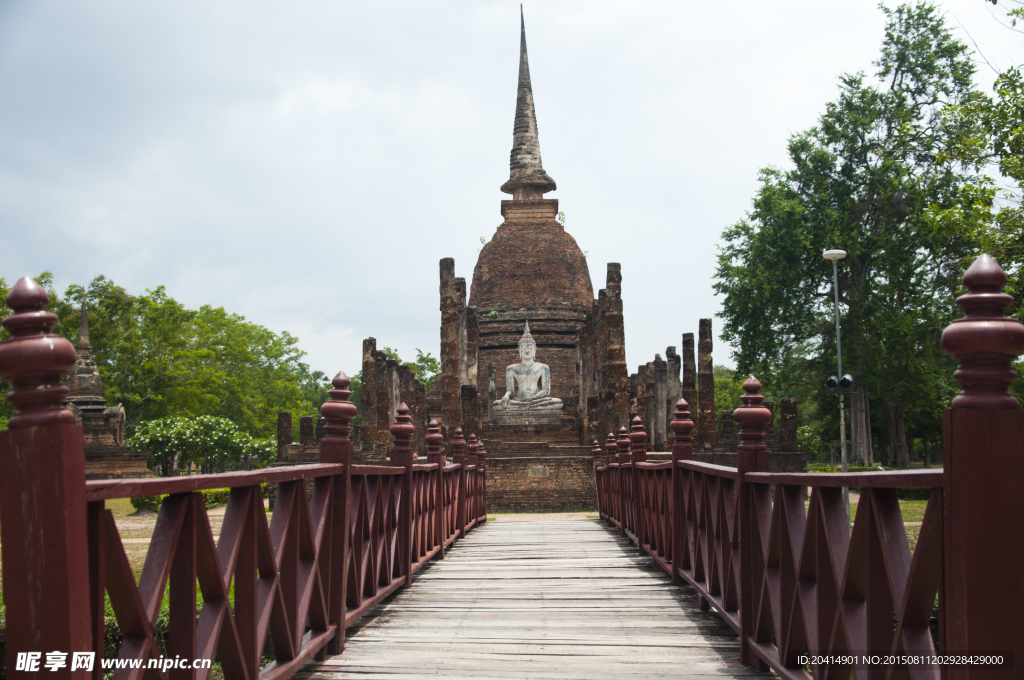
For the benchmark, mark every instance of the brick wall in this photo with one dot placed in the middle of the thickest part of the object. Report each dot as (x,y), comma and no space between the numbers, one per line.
(560,481)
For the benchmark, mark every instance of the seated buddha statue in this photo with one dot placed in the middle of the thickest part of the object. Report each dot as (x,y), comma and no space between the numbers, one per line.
(533,379)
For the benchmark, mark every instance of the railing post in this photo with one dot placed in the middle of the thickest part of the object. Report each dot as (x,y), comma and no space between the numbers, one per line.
(435,456)
(638,437)
(682,449)
(42,491)
(612,448)
(982,593)
(336,448)
(624,491)
(481,455)
(473,512)
(459,458)
(401,455)
(596,453)
(751,456)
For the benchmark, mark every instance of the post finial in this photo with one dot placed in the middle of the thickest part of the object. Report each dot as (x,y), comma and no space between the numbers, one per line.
(339,411)
(402,432)
(458,447)
(984,341)
(481,453)
(638,437)
(611,447)
(34,360)
(623,444)
(682,426)
(752,416)
(434,442)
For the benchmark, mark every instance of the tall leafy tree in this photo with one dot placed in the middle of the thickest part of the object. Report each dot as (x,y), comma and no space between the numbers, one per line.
(163,360)
(867,178)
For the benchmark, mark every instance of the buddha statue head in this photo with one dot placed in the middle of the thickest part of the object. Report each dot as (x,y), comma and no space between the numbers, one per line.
(527,346)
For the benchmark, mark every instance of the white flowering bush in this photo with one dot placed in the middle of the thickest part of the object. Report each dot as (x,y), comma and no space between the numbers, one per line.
(209,441)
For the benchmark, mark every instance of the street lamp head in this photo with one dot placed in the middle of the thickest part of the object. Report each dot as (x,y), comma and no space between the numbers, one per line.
(846,381)
(832,382)
(834,254)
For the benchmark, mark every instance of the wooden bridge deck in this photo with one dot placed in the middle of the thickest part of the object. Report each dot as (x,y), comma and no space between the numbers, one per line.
(546,599)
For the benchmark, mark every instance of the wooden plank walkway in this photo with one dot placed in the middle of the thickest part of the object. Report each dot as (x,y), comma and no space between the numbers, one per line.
(548,599)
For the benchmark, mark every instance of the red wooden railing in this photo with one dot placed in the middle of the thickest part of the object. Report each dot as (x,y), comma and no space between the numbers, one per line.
(799,580)
(320,563)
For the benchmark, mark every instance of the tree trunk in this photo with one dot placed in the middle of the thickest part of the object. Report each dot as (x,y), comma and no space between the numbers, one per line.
(860,427)
(898,434)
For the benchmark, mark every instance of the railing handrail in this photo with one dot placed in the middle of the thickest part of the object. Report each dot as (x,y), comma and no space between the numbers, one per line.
(105,489)
(900,479)
(377,470)
(667,465)
(709,468)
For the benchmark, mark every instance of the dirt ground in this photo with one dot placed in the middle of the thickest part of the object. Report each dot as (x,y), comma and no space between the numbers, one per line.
(538,516)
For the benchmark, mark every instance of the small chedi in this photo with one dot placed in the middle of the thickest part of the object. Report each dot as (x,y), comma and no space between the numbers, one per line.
(532,401)
(103,426)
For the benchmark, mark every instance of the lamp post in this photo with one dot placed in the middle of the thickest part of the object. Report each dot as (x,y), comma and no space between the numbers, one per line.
(836,255)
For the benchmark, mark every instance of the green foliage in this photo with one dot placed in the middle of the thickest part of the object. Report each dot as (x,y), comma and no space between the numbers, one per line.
(808,441)
(148,503)
(492,315)
(210,442)
(999,140)
(160,359)
(728,389)
(314,387)
(869,179)
(212,498)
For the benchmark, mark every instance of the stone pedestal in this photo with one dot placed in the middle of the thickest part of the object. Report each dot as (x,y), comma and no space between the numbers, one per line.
(525,417)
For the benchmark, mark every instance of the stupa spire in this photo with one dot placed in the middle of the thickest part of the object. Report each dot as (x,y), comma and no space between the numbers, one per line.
(527,179)
(83,327)
(84,379)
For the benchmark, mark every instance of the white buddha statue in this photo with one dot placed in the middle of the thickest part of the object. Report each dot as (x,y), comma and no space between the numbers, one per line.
(533,378)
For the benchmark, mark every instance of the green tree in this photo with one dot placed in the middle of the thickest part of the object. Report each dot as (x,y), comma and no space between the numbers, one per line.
(214,444)
(868,179)
(728,389)
(162,360)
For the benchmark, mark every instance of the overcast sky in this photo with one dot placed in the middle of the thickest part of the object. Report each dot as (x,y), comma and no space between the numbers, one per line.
(306,164)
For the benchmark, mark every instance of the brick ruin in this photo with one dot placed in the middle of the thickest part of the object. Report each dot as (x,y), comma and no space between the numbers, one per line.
(386,385)
(103,426)
(533,272)
(653,393)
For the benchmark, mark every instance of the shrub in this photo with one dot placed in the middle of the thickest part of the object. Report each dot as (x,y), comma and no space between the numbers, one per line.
(150,503)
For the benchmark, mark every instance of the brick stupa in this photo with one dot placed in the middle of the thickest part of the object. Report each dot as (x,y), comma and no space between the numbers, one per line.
(105,454)
(532,271)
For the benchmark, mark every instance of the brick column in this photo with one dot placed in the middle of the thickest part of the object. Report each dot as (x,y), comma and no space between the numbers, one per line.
(690,380)
(451,410)
(706,428)
(284,434)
